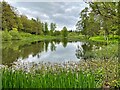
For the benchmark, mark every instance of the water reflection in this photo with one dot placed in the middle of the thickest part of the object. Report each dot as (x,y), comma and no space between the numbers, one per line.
(64,42)
(47,51)
(11,51)
(82,51)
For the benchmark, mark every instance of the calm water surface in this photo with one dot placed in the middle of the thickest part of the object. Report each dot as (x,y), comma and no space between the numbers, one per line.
(44,51)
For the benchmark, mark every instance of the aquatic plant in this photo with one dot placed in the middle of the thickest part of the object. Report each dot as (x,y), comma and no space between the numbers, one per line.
(85,74)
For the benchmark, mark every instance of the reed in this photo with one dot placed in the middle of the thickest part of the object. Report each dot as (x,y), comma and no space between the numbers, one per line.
(69,79)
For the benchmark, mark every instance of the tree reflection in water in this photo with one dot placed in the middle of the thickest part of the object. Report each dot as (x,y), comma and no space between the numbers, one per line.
(12,51)
(64,42)
(82,51)
(79,52)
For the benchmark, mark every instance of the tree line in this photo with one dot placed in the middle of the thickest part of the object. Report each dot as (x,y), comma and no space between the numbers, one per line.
(100,18)
(11,20)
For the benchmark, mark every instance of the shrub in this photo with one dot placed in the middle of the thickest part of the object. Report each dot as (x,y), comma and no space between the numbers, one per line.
(6,35)
(25,34)
(72,34)
(15,34)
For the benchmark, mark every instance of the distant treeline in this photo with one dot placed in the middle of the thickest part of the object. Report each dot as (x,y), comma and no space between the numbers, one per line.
(12,20)
(100,18)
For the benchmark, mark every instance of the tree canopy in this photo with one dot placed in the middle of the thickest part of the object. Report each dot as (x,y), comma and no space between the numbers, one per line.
(99,18)
(64,32)
(11,19)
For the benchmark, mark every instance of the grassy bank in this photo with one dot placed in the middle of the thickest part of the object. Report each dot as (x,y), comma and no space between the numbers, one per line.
(15,35)
(110,38)
(27,37)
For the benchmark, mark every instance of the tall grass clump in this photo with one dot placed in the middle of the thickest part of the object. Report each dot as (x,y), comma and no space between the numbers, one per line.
(63,79)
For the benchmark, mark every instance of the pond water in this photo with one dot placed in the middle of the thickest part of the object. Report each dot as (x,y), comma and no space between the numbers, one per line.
(54,51)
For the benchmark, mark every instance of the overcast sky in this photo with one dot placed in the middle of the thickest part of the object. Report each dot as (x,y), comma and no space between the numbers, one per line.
(61,13)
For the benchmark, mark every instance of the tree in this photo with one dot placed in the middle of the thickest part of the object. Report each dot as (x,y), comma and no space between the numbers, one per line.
(82,23)
(39,26)
(46,32)
(26,24)
(56,33)
(11,19)
(19,23)
(64,32)
(43,28)
(99,15)
(8,17)
(52,28)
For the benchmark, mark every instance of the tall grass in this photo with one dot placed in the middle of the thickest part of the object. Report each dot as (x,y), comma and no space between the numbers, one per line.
(86,74)
(20,79)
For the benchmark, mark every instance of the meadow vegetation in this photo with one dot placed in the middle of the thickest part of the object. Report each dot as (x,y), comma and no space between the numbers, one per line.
(86,74)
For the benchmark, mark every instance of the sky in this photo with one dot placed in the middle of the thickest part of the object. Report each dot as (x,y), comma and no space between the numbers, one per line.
(61,13)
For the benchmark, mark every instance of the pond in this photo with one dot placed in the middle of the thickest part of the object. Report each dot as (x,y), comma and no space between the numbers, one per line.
(54,51)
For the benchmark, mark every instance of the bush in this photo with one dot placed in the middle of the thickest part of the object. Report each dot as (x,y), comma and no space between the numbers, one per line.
(6,35)
(25,34)
(72,34)
(15,34)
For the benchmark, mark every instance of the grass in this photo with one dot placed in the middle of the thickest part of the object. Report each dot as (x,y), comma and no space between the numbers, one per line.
(86,74)
(19,79)
(22,36)
(15,35)
(77,37)
(102,39)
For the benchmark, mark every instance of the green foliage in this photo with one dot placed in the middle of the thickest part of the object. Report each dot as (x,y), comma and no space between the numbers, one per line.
(64,32)
(52,28)
(8,17)
(72,34)
(57,33)
(15,34)
(6,36)
(46,32)
(88,74)
(25,34)
(103,38)
(99,19)
(109,51)
(63,79)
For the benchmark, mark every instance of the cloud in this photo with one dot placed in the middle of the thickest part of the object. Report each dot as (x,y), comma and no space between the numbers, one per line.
(61,13)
